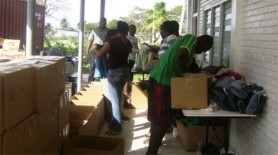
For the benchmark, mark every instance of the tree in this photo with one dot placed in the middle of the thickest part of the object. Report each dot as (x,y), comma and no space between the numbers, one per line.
(112,24)
(64,24)
(47,28)
(52,6)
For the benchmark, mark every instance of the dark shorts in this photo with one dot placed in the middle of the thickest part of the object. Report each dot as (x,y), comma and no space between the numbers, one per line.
(159,103)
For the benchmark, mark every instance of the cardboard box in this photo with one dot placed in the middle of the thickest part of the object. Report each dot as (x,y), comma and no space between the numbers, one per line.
(63,112)
(17,95)
(139,98)
(94,145)
(80,112)
(79,116)
(59,71)
(47,126)
(52,149)
(86,101)
(193,135)
(46,85)
(22,139)
(95,121)
(189,92)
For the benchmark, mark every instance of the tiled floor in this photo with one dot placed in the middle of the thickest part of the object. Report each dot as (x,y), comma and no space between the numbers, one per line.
(136,141)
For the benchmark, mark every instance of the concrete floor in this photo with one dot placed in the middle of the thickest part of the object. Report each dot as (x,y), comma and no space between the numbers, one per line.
(135,136)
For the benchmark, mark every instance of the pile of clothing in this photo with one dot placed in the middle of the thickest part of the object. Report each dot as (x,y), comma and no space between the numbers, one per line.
(230,91)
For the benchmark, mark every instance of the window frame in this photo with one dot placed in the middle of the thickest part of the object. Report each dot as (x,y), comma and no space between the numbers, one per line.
(221,31)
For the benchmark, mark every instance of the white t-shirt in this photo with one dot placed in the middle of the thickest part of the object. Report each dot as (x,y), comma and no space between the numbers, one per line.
(134,43)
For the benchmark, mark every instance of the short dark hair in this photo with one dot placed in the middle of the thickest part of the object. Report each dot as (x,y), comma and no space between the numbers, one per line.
(175,27)
(122,27)
(167,26)
(204,43)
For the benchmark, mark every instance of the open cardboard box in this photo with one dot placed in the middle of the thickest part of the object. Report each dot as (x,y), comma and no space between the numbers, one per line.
(81,144)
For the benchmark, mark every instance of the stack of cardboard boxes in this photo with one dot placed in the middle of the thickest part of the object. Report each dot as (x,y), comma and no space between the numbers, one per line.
(32,106)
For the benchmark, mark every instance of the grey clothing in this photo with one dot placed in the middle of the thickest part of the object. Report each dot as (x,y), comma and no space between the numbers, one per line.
(98,36)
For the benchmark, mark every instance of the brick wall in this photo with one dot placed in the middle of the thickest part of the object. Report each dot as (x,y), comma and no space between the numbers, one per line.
(258,61)
(255,55)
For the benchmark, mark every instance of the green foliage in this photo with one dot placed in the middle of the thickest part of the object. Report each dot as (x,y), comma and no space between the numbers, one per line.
(69,45)
(112,24)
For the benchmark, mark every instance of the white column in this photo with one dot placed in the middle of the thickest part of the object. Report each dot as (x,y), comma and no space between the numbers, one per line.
(30,26)
(102,8)
(80,47)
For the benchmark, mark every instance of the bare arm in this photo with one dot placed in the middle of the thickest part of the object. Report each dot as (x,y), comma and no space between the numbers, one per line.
(153,48)
(183,59)
(89,45)
(105,49)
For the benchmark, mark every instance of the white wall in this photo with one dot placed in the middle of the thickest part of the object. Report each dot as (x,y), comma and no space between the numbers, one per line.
(258,61)
(254,54)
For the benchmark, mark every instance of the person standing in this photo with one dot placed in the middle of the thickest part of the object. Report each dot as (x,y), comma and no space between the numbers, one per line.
(96,40)
(168,35)
(118,48)
(131,61)
(173,63)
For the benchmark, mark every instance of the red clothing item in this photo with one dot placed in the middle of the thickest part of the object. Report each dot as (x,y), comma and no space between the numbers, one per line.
(159,103)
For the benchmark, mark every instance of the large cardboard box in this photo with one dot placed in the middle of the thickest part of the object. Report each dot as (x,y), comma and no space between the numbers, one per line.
(60,64)
(95,121)
(46,85)
(79,116)
(94,145)
(189,92)
(22,139)
(192,136)
(17,93)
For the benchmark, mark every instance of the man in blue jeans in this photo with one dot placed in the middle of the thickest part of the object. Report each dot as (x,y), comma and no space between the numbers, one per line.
(96,40)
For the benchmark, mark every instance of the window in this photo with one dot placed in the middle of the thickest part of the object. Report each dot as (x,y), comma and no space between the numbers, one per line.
(218,25)
(227,27)
(195,17)
(208,32)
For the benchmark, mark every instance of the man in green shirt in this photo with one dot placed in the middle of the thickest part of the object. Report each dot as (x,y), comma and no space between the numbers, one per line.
(174,62)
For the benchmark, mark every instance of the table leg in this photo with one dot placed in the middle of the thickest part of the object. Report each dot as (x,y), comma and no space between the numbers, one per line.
(207,129)
(227,136)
